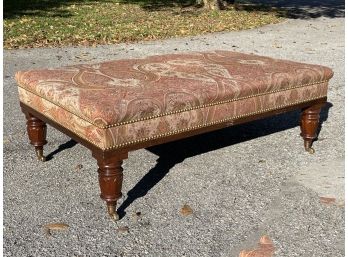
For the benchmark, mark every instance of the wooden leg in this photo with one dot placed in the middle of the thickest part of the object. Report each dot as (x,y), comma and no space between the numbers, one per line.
(110,179)
(36,129)
(309,125)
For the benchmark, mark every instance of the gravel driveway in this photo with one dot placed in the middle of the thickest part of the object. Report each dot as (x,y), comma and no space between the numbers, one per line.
(241,182)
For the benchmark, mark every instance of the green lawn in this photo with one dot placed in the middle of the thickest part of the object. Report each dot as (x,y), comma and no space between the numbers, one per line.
(45,23)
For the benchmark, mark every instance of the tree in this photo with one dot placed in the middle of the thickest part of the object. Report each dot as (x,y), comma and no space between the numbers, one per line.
(214,4)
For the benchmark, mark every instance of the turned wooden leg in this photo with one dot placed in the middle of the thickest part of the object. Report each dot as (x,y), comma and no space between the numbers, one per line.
(110,180)
(36,129)
(309,125)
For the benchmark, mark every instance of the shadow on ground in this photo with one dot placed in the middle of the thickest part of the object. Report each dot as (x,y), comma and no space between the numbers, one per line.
(200,144)
(70,144)
(296,9)
(42,8)
(58,8)
(204,143)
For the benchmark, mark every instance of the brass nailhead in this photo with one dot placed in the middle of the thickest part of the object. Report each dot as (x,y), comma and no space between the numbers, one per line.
(173,112)
(186,129)
(209,124)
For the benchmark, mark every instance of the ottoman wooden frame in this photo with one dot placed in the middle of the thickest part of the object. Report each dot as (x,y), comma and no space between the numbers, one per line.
(110,160)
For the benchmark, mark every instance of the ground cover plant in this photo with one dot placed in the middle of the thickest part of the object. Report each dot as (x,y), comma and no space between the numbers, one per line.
(47,23)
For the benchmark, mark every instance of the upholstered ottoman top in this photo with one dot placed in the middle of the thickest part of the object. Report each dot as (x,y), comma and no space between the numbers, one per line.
(117,103)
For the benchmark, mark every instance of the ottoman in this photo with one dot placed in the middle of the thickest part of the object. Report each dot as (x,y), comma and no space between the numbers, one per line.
(118,106)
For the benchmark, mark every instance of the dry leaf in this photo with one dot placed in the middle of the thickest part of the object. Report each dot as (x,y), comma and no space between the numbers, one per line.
(265,249)
(124,229)
(186,210)
(327,200)
(55,226)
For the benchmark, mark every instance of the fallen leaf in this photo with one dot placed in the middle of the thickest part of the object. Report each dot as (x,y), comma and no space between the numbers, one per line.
(186,210)
(327,200)
(265,249)
(55,226)
(124,229)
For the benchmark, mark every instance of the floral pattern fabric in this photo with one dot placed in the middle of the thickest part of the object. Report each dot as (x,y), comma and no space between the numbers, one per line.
(116,103)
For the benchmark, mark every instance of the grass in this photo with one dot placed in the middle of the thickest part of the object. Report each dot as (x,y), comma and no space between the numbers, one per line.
(48,23)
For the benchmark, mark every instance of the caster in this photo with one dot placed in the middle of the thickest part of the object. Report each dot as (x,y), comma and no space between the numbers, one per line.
(308,147)
(112,212)
(310,150)
(40,156)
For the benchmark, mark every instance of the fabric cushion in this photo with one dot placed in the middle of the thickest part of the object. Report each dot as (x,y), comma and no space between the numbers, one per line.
(122,102)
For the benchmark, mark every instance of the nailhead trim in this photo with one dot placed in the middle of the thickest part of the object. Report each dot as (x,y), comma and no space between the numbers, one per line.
(186,129)
(173,112)
(208,124)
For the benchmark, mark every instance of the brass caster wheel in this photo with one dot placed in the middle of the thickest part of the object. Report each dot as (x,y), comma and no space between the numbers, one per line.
(114,217)
(310,150)
(112,212)
(308,147)
(40,156)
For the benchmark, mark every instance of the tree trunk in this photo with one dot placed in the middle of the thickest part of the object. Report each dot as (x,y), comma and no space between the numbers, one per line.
(212,4)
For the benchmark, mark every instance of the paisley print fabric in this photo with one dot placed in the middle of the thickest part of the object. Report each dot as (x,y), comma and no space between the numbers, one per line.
(116,103)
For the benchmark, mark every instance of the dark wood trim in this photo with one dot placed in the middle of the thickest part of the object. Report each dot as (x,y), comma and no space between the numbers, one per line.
(171,138)
(36,130)
(110,175)
(309,124)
